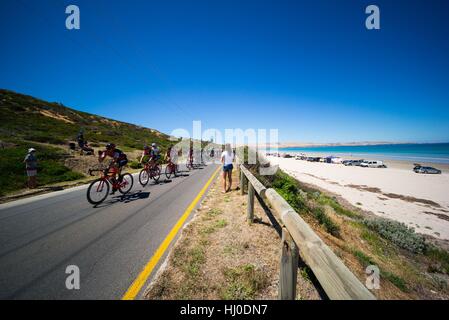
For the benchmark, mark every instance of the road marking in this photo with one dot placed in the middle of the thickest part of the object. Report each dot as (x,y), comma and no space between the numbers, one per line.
(138,283)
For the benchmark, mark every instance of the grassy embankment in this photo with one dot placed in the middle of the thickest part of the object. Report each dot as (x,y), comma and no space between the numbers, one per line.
(220,256)
(49,127)
(410,266)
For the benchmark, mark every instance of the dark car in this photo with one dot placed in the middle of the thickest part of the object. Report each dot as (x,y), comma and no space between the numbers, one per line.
(421,169)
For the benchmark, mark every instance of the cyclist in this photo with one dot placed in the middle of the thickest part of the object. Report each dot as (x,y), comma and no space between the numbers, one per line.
(167,157)
(145,152)
(154,155)
(171,156)
(191,155)
(119,160)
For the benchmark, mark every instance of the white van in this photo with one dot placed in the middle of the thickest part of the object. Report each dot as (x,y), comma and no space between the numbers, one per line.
(373,164)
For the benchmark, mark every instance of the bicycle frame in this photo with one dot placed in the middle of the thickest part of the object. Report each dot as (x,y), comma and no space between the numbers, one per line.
(106,176)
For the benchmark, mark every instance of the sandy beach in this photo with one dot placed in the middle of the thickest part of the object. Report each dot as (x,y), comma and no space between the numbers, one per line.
(396,192)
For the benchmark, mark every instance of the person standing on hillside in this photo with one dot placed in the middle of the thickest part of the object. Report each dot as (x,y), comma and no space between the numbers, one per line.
(227,157)
(31,167)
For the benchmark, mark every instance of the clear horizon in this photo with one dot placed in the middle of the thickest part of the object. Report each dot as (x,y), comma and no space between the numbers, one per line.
(310,69)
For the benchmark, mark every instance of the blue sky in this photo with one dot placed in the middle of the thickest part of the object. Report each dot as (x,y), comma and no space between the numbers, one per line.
(309,68)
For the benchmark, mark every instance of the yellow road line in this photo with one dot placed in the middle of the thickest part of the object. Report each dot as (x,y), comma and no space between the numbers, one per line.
(138,283)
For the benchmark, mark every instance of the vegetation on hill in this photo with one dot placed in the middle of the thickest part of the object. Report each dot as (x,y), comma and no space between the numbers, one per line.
(32,119)
(49,127)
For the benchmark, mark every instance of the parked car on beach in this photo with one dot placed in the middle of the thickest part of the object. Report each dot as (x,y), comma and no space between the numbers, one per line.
(421,169)
(353,162)
(301,156)
(373,164)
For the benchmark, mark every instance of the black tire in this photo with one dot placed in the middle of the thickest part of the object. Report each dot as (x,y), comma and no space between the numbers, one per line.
(129,178)
(176,173)
(168,172)
(156,174)
(144,177)
(102,197)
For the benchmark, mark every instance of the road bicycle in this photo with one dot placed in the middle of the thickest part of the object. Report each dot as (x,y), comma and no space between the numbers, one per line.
(98,190)
(149,172)
(170,169)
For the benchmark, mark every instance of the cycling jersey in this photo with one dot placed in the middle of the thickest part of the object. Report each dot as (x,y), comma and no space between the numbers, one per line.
(154,153)
(118,156)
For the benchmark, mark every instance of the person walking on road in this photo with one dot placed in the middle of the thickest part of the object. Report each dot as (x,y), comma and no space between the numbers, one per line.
(227,157)
(31,167)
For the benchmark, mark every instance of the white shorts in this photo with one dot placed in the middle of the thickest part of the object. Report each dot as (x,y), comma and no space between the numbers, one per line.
(31,173)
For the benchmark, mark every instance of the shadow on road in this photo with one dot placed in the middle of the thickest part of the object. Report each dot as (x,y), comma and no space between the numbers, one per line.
(125,198)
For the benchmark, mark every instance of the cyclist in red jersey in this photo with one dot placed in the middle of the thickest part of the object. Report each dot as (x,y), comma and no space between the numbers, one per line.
(119,160)
(145,152)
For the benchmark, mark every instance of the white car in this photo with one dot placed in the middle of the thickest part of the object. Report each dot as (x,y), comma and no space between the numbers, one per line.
(373,164)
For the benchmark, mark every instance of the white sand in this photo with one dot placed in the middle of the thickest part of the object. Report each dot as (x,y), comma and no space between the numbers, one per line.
(351,183)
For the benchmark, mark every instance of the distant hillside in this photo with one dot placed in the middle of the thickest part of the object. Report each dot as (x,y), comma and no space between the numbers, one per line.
(27,118)
(49,127)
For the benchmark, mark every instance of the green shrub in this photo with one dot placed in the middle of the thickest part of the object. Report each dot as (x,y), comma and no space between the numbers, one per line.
(398,233)
(396,280)
(363,258)
(325,221)
(287,187)
(439,257)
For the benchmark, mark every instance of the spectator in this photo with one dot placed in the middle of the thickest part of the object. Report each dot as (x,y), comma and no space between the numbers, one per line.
(227,157)
(88,149)
(80,139)
(31,167)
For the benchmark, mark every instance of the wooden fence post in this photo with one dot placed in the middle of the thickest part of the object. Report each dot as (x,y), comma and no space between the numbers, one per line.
(289,267)
(242,182)
(250,208)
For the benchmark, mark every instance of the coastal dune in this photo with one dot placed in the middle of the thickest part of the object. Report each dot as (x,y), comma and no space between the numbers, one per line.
(420,201)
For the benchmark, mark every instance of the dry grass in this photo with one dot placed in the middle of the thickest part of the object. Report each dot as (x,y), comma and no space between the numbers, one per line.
(220,256)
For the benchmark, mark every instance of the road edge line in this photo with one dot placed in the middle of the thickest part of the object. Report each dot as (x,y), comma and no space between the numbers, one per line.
(143,276)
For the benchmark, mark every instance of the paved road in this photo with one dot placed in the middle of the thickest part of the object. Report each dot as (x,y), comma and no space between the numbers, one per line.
(41,236)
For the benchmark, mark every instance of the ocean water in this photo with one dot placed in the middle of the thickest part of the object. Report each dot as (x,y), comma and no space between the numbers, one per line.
(426,152)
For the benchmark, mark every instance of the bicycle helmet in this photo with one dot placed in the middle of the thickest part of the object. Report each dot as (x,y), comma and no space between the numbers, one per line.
(146,147)
(153,144)
(110,146)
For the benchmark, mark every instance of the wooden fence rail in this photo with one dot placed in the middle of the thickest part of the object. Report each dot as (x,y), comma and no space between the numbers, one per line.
(298,238)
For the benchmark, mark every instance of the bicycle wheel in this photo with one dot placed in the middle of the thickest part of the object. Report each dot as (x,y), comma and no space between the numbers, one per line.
(176,170)
(127,183)
(144,177)
(156,173)
(98,191)
(168,171)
